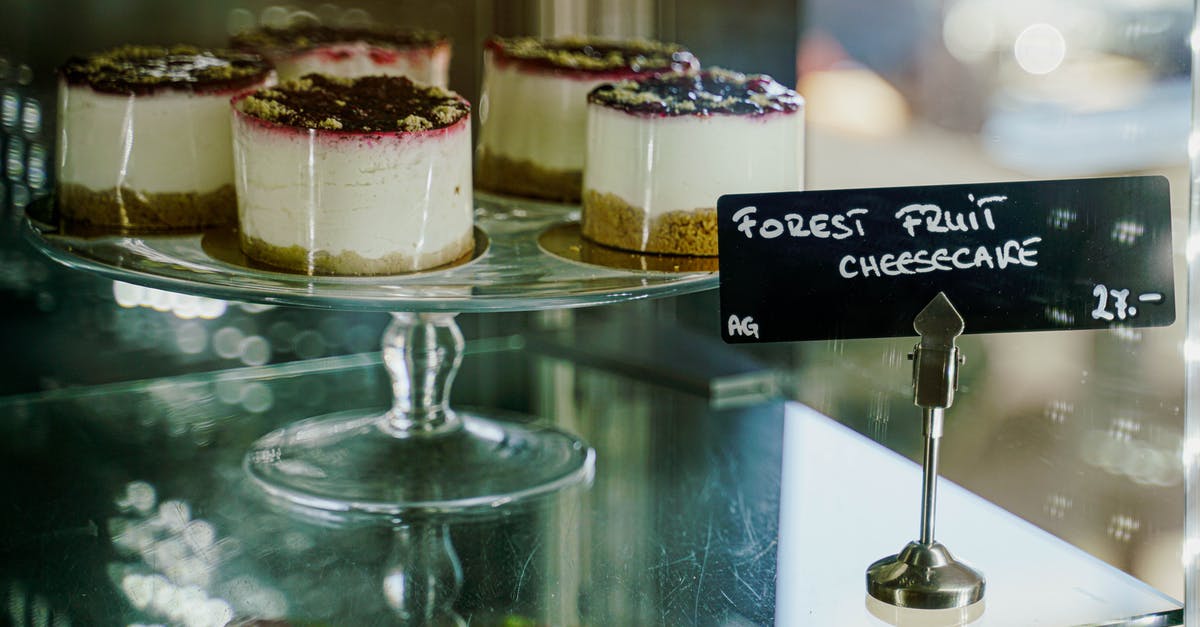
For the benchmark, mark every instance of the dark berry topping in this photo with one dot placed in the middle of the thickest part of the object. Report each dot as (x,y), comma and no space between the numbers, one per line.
(601,56)
(308,35)
(366,104)
(143,69)
(713,91)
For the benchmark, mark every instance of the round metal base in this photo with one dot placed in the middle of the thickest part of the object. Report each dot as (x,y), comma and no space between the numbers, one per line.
(924,576)
(352,467)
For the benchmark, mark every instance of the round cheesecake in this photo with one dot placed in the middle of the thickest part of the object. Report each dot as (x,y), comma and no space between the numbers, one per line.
(423,56)
(361,176)
(661,150)
(144,137)
(532,109)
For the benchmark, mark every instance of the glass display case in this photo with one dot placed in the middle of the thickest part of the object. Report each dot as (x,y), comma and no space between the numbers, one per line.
(739,485)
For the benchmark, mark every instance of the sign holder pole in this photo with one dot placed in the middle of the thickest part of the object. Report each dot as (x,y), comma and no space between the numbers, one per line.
(924,575)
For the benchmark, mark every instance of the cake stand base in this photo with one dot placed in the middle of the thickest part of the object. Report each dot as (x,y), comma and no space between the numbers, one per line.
(420,456)
(351,465)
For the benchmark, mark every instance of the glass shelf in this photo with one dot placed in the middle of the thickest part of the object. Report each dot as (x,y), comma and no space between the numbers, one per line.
(512,268)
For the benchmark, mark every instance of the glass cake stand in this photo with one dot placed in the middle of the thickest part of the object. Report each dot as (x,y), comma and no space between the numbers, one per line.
(420,456)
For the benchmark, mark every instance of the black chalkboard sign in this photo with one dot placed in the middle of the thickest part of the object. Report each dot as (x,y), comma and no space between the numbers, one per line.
(1024,256)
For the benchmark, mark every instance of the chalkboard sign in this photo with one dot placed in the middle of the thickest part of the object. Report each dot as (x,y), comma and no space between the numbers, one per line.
(1025,256)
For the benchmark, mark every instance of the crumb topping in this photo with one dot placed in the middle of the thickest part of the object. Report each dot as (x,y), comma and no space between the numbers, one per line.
(307,36)
(591,54)
(142,69)
(370,103)
(413,122)
(713,91)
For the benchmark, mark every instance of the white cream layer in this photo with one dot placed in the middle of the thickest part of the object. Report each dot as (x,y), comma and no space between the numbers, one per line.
(164,142)
(535,116)
(373,195)
(430,66)
(683,163)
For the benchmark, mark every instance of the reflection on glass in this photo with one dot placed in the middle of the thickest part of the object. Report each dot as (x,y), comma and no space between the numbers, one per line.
(183,306)
(424,577)
(905,617)
(20,196)
(36,166)
(175,565)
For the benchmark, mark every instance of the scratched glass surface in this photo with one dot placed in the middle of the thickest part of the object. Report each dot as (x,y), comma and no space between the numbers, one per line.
(153,520)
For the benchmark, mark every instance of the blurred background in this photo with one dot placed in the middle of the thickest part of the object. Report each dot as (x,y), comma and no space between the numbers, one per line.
(1078,432)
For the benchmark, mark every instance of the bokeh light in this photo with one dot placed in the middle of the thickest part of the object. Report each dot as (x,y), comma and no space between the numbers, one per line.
(31,116)
(227,342)
(970,31)
(1040,48)
(14,159)
(10,108)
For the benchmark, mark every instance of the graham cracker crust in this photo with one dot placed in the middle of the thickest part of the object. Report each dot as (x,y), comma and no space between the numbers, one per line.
(127,208)
(299,259)
(609,220)
(525,178)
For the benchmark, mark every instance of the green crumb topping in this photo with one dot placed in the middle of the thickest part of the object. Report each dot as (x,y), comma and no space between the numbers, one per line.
(414,123)
(721,74)
(762,100)
(370,103)
(264,108)
(445,115)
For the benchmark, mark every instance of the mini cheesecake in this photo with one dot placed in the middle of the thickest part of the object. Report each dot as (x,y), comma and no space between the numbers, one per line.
(423,56)
(532,109)
(361,176)
(661,150)
(144,137)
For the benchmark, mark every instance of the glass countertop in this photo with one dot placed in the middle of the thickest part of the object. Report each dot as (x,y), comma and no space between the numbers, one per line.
(127,504)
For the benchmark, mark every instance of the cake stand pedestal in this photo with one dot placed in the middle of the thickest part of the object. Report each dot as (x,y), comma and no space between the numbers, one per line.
(419,456)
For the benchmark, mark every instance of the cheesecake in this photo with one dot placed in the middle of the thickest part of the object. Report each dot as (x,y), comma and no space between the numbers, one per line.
(364,176)
(144,136)
(661,150)
(532,109)
(350,52)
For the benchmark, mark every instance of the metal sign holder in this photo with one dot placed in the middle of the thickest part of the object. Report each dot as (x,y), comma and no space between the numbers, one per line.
(924,575)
